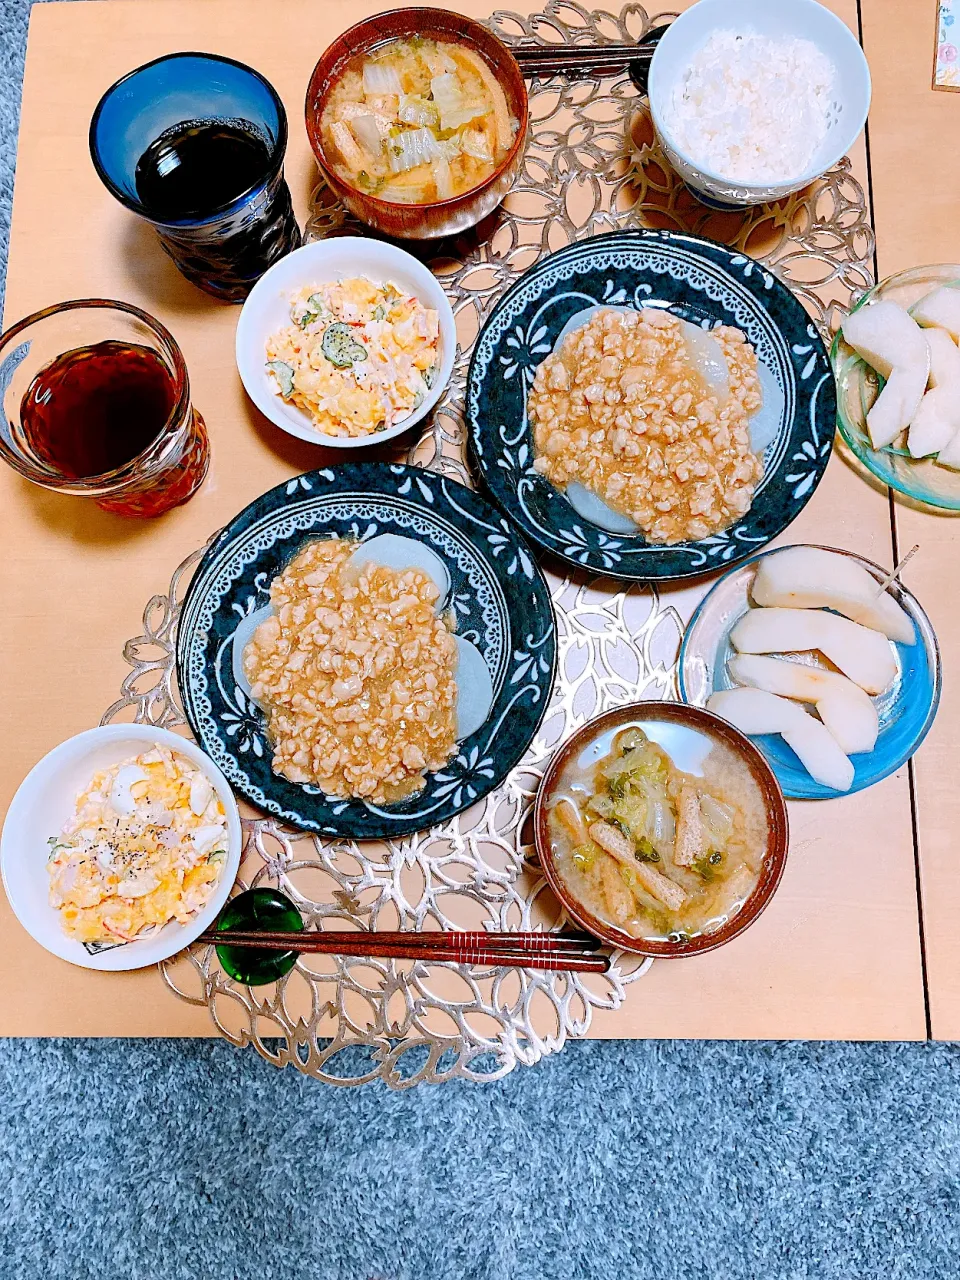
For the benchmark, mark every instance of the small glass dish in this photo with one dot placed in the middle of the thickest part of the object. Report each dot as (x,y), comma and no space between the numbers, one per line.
(258,909)
(434,218)
(906,708)
(921,479)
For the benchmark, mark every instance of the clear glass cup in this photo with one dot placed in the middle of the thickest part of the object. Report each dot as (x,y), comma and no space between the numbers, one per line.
(225,248)
(166,471)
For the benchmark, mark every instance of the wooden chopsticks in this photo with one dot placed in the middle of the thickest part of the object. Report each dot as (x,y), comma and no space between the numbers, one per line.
(569,951)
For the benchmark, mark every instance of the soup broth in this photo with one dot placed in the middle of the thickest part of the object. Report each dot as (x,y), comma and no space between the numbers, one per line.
(417,121)
(659,830)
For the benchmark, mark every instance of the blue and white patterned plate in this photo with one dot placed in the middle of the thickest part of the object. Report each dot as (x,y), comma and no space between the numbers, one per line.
(501,602)
(700,281)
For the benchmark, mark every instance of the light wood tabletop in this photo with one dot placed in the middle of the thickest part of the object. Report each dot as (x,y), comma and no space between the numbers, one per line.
(838,952)
(916,200)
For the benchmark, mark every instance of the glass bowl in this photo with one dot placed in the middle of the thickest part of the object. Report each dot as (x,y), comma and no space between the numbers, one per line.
(906,708)
(438,217)
(921,479)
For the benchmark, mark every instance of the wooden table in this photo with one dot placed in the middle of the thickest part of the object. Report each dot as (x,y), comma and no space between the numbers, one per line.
(839,952)
(916,199)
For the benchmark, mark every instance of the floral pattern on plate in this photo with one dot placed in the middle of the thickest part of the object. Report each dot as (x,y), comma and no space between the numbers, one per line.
(702,282)
(500,598)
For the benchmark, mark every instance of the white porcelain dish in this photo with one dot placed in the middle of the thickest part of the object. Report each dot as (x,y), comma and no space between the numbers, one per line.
(44,802)
(267,309)
(804,19)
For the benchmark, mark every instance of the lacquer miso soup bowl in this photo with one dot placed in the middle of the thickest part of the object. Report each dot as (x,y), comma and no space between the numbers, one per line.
(661,829)
(433,218)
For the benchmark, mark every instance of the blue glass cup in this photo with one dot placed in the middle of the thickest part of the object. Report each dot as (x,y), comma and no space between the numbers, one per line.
(231,217)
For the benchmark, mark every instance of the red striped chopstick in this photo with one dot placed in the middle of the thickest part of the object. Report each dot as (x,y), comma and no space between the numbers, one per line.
(552,951)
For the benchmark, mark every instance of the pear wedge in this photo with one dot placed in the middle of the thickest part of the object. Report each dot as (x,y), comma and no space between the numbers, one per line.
(896,405)
(944,358)
(949,455)
(813,578)
(843,706)
(885,335)
(936,421)
(753,712)
(860,653)
(939,310)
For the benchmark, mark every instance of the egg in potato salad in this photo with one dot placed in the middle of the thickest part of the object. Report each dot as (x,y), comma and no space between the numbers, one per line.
(357,358)
(146,845)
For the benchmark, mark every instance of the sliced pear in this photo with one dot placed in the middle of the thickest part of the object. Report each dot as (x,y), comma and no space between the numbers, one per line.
(884,335)
(474,689)
(754,712)
(860,653)
(395,552)
(944,358)
(949,455)
(936,421)
(939,310)
(896,405)
(813,578)
(843,706)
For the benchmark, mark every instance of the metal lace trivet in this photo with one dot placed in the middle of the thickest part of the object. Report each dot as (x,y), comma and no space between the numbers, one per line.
(592,165)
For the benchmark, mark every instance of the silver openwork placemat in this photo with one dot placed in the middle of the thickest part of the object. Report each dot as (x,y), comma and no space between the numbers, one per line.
(591,166)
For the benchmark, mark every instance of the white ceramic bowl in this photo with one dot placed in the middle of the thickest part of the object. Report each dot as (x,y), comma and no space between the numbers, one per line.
(803,19)
(44,802)
(267,309)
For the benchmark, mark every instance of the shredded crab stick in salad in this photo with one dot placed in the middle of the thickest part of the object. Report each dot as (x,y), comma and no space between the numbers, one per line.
(357,358)
(146,845)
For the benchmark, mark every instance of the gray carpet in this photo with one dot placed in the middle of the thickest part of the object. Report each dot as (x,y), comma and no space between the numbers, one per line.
(190,1161)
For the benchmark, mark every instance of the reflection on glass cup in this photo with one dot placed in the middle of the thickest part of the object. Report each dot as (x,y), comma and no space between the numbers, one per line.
(96,402)
(194,143)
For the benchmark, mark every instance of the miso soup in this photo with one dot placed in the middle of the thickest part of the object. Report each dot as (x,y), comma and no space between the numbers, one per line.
(417,121)
(658,829)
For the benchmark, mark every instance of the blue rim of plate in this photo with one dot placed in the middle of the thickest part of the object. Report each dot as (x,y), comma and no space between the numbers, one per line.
(907,709)
(699,280)
(497,592)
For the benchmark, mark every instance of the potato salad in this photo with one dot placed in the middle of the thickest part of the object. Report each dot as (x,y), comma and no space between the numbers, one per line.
(146,845)
(357,357)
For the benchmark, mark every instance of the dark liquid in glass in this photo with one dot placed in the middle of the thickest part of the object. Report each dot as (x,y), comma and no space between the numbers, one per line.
(96,408)
(198,168)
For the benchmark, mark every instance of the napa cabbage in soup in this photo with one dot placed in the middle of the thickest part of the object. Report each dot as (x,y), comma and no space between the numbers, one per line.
(417,121)
(664,840)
